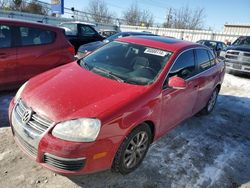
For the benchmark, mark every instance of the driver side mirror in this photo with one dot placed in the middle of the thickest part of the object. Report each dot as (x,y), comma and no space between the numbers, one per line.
(176,82)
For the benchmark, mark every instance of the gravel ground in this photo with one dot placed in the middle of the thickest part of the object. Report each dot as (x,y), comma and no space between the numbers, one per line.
(206,151)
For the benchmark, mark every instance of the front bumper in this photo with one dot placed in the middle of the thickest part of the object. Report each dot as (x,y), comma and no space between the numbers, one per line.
(237,66)
(64,157)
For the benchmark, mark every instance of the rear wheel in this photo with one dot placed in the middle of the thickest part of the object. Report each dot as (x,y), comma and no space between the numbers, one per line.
(133,150)
(211,103)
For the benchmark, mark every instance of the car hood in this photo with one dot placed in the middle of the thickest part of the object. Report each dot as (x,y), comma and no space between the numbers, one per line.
(71,92)
(90,46)
(240,48)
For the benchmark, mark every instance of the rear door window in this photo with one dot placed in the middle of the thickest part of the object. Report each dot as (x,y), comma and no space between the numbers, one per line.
(34,36)
(203,59)
(5,36)
(212,58)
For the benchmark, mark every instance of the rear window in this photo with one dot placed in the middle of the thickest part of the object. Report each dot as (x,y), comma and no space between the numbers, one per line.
(34,36)
(5,36)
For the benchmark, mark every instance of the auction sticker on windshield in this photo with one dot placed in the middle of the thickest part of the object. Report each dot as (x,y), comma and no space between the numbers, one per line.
(155,52)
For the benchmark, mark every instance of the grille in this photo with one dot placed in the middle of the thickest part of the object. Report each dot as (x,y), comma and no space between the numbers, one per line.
(243,57)
(247,54)
(29,148)
(63,163)
(231,57)
(36,123)
(233,52)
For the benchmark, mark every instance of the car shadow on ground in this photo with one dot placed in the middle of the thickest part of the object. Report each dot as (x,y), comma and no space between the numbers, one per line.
(5,98)
(204,151)
(239,74)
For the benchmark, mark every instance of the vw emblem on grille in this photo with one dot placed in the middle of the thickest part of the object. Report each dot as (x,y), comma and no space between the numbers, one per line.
(26,116)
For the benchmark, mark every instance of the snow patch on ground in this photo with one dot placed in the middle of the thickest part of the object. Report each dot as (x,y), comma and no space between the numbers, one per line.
(212,173)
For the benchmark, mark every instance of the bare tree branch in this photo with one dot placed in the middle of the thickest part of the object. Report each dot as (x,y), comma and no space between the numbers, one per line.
(134,16)
(99,11)
(185,18)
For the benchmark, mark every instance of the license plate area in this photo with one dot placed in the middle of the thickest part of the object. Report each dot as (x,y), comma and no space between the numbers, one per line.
(237,66)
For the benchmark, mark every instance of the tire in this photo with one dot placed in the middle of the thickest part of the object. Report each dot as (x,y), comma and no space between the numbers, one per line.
(130,154)
(211,103)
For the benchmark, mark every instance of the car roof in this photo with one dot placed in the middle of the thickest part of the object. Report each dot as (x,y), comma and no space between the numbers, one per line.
(136,33)
(78,22)
(164,43)
(25,22)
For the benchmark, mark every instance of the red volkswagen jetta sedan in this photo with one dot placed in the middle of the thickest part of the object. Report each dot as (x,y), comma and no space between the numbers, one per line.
(104,110)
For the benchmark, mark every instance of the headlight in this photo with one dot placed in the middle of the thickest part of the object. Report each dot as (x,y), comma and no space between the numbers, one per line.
(19,92)
(79,130)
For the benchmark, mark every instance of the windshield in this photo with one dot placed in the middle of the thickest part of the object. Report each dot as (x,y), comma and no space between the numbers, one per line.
(126,62)
(242,41)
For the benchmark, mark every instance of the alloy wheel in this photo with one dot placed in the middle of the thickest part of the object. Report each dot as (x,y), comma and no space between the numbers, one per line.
(136,149)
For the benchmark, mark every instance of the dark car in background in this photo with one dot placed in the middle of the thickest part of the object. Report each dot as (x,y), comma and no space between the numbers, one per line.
(237,56)
(79,33)
(94,45)
(29,48)
(216,46)
(107,32)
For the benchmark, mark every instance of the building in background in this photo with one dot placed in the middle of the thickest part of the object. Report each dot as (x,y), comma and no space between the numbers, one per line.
(244,29)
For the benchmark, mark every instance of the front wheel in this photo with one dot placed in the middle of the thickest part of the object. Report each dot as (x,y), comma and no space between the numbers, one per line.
(133,150)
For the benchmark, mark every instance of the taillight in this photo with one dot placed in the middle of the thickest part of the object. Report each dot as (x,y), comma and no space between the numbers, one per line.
(71,50)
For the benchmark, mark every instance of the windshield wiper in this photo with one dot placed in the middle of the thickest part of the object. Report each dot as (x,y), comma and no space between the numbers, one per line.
(109,73)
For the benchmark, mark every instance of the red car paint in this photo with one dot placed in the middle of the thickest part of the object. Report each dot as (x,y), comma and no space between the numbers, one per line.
(19,62)
(71,92)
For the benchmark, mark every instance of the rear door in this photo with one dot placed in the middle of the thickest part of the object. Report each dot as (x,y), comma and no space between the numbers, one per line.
(36,51)
(206,76)
(177,105)
(8,55)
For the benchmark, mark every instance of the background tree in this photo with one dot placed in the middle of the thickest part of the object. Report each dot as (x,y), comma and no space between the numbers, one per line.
(185,18)
(147,18)
(134,16)
(35,7)
(4,4)
(99,11)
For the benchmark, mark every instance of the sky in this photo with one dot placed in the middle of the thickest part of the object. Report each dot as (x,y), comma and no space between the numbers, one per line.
(217,12)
